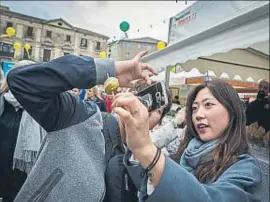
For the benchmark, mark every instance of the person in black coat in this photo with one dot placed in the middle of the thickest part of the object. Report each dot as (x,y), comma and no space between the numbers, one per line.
(11,180)
(259,110)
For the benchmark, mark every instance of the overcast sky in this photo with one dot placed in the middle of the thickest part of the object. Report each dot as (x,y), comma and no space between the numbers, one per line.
(105,16)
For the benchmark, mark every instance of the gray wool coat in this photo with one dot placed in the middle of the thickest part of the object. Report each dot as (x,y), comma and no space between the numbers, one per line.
(71,164)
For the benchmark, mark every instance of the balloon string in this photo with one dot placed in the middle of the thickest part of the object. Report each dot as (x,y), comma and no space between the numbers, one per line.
(14,55)
(28,54)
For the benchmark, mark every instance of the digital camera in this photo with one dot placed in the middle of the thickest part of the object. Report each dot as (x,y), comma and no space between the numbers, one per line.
(154,97)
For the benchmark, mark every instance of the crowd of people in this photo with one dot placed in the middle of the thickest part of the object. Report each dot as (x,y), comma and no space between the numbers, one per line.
(58,131)
(94,94)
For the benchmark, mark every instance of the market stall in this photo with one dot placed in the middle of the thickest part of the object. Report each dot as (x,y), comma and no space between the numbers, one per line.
(237,42)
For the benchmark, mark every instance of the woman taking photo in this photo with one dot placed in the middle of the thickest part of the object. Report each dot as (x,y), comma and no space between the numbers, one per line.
(215,164)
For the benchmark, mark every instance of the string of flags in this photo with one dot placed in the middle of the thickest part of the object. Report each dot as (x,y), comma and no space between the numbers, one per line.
(152,26)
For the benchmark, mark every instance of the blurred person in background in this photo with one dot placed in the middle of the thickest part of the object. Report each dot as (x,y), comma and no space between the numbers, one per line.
(20,140)
(79,92)
(258,115)
(82,94)
(176,100)
(108,101)
(76,91)
(93,95)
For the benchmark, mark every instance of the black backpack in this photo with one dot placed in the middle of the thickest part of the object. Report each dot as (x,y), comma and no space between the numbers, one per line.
(119,186)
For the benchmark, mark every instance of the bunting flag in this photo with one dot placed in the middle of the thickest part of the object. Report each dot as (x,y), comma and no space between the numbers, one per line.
(152,26)
(173,69)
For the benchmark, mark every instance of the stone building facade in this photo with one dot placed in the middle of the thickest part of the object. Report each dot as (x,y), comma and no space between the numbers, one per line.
(48,39)
(125,49)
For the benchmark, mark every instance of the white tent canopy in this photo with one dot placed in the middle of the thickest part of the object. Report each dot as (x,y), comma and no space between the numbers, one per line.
(239,47)
(192,73)
(180,77)
(175,79)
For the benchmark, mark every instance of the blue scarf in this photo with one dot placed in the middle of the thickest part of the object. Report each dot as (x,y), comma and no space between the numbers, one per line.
(196,153)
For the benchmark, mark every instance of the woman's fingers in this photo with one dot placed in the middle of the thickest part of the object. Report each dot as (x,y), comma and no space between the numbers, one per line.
(121,96)
(131,104)
(124,115)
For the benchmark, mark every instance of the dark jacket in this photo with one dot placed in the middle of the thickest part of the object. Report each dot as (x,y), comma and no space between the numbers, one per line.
(100,103)
(10,180)
(72,160)
(259,111)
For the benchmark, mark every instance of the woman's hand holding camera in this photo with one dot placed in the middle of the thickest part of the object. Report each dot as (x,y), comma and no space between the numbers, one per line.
(134,118)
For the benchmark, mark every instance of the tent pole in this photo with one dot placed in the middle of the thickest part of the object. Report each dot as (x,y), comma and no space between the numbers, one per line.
(167,76)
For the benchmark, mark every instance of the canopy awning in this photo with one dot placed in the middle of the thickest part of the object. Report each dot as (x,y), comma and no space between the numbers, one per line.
(228,46)
(185,77)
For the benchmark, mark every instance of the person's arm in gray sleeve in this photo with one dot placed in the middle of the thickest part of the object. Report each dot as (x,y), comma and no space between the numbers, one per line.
(164,135)
(41,89)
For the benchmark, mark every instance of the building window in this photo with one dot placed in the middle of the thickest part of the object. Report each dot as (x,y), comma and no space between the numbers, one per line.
(98,46)
(46,55)
(6,50)
(83,43)
(128,45)
(25,55)
(9,24)
(29,32)
(148,47)
(49,34)
(68,38)
(139,46)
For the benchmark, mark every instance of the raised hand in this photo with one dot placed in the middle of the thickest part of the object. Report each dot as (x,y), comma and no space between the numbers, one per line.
(130,70)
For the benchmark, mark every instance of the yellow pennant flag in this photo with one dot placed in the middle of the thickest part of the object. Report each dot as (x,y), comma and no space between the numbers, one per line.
(173,69)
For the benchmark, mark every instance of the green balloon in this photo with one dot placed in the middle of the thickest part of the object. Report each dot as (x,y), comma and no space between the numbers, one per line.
(124,26)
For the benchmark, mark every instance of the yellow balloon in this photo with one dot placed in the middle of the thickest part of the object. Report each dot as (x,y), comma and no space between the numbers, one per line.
(111,85)
(10,31)
(27,46)
(17,46)
(102,54)
(160,45)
